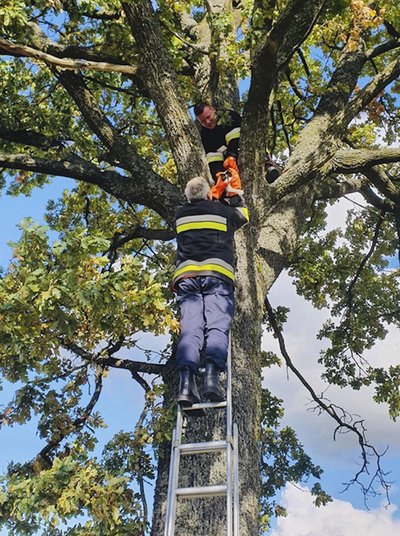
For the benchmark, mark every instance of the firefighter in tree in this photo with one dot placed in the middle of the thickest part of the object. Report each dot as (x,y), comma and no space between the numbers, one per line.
(220,135)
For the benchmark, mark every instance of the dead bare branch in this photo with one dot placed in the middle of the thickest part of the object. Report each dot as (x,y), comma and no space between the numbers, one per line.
(343,423)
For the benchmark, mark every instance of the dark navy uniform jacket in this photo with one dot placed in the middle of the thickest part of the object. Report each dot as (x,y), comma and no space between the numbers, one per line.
(205,244)
(222,140)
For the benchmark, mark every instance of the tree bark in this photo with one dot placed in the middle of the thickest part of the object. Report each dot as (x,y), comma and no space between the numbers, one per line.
(162,84)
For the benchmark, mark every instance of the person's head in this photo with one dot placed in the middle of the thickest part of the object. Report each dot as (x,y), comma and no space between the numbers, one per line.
(197,189)
(206,115)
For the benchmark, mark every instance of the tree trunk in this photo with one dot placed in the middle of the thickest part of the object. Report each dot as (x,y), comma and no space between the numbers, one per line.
(205,517)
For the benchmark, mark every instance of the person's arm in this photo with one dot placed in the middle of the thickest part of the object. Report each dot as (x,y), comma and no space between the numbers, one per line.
(215,158)
(232,136)
(216,165)
(239,215)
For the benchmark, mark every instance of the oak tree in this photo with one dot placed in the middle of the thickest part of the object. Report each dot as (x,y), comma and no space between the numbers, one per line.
(100,92)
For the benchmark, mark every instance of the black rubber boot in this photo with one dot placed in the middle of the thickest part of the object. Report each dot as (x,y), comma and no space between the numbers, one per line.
(188,393)
(212,389)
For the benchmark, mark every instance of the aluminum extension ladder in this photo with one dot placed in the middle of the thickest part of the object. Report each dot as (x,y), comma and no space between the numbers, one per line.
(230,445)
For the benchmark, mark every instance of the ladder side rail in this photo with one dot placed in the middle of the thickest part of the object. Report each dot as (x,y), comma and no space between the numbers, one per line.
(229,468)
(229,393)
(170,525)
(168,514)
(229,494)
(236,505)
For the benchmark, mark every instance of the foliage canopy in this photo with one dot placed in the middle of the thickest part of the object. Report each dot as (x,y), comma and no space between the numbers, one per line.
(100,92)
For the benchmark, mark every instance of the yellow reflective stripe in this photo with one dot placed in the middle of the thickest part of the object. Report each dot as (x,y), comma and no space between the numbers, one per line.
(215,157)
(201,225)
(232,135)
(245,212)
(204,267)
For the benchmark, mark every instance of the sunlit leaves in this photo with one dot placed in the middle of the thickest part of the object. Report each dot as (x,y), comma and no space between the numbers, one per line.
(82,289)
(73,487)
(66,289)
(347,272)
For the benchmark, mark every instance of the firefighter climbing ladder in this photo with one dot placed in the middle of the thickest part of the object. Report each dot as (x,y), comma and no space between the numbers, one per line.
(230,445)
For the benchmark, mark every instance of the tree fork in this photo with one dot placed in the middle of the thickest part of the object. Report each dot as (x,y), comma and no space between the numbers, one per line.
(162,84)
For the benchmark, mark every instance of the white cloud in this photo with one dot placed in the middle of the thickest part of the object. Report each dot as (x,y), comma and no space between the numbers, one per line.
(338,518)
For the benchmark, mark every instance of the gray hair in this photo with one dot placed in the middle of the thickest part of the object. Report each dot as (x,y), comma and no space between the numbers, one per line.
(197,189)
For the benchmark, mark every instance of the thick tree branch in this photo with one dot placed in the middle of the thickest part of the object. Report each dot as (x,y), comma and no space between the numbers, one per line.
(18,50)
(279,44)
(337,189)
(391,30)
(293,27)
(162,83)
(350,161)
(382,182)
(121,151)
(353,160)
(40,41)
(370,196)
(162,197)
(320,139)
(97,120)
(382,49)
(389,74)
(132,366)
(30,137)
(114,362)
(200,64)
(142,232)
(343,81)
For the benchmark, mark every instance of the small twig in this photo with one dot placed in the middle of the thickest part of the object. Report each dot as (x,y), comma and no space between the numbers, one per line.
(285,132)
(364,262)
(303,61)
(197,48)
(58,437)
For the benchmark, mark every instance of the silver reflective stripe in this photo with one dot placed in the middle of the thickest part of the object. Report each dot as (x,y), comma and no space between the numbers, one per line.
(220,262)
(202,217)
(244,211)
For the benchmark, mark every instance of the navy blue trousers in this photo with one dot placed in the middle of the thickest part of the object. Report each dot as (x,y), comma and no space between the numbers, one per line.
(206,306)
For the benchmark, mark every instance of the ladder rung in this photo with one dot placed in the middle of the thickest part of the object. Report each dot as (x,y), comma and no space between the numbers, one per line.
(204,491)
(205,405)
(202,448)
